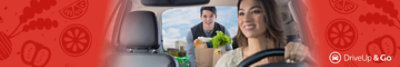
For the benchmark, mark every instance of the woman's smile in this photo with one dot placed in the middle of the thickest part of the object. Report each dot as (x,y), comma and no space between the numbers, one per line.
(249,26)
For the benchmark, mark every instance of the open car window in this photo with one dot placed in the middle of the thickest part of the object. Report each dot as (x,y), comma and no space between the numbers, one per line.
(176,24)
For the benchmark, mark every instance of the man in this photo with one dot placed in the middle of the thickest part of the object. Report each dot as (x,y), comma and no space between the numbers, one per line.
(207,28)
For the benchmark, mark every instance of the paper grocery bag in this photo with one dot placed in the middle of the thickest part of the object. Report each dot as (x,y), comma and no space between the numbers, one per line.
(204,57)
(215,58)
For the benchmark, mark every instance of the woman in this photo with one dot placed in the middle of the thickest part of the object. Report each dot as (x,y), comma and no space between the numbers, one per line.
(259,29)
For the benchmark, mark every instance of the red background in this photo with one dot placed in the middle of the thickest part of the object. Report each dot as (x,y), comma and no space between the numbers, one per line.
(371,20)
(48,33)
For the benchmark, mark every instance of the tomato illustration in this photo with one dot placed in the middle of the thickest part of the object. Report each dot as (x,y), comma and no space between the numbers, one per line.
(75,40)
(341,34)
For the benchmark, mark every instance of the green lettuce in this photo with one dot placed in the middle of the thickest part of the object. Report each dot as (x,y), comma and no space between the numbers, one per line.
(220,39)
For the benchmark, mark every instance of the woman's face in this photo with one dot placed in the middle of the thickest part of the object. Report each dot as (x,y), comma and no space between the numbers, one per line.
(251,19)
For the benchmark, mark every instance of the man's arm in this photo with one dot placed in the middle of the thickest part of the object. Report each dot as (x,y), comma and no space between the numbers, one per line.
(190,49)
(228,47)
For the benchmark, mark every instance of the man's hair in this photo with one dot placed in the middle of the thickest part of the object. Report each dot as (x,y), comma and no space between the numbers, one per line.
(209,8)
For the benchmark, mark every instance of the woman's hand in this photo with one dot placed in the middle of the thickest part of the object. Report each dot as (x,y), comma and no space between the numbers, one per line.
(295,52)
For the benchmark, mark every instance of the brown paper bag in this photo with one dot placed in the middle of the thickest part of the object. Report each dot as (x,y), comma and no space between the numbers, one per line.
(215,58)
(204,57)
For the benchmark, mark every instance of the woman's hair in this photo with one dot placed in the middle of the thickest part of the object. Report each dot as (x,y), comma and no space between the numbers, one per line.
(273,32)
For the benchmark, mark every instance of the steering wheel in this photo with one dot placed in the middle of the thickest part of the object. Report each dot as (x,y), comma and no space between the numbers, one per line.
(268,53)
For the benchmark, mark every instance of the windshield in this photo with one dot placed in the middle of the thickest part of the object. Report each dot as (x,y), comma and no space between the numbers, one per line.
(176,23)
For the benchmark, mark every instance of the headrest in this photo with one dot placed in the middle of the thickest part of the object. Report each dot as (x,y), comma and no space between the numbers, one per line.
(139,31)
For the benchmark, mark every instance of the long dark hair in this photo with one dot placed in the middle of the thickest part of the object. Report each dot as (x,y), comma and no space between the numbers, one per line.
(273,32)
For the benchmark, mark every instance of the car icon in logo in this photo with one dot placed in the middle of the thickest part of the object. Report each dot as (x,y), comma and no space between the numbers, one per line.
(335,57)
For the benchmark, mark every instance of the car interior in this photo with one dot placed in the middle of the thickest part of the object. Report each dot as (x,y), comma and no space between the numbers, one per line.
(136,31)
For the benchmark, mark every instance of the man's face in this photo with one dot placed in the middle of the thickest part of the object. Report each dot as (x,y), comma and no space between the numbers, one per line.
(208,18)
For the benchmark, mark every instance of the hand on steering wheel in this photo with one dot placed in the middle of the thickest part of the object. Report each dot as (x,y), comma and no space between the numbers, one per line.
(268,53)
(295,52)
